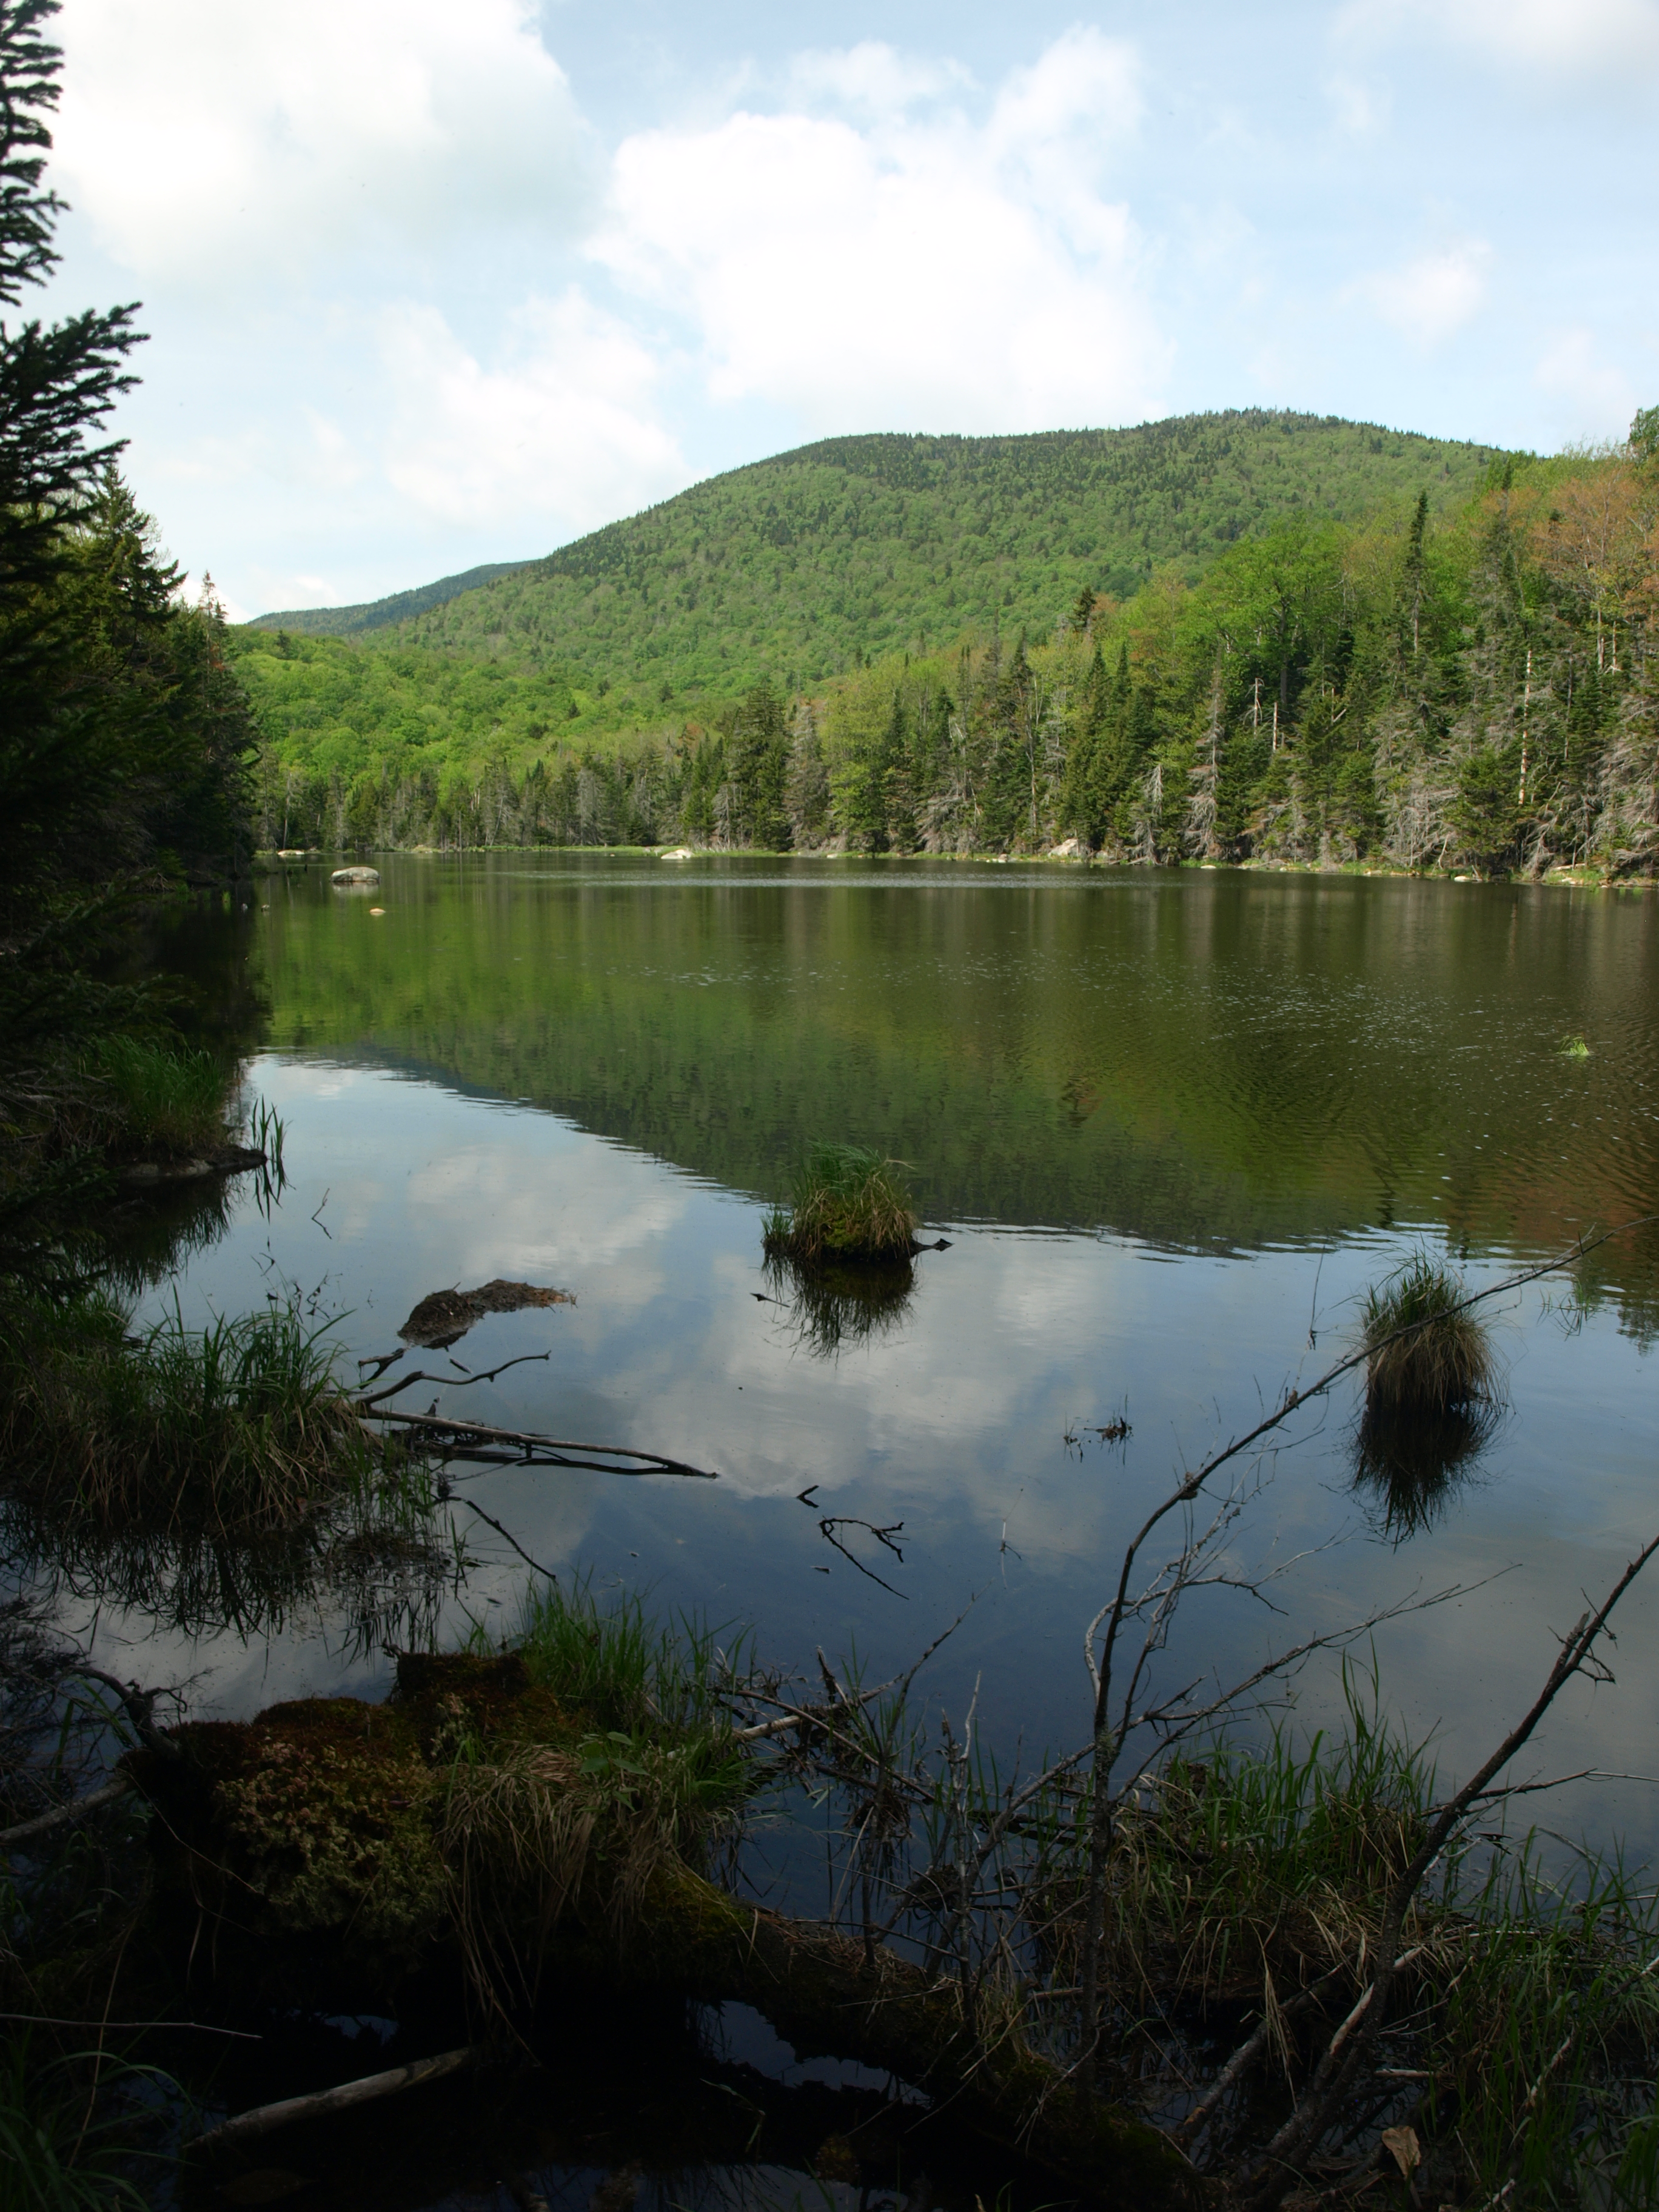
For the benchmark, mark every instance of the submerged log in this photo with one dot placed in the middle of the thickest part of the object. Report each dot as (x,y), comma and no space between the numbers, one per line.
(311,1857)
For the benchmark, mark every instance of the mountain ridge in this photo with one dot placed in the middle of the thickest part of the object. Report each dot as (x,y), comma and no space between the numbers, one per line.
(805,562)
(380,614)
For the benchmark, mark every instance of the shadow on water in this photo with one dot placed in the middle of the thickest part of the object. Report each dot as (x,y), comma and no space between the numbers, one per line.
(833,1306)
(1408,1468)
(645,2102)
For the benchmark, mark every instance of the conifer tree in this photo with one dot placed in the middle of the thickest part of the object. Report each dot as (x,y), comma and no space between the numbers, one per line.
(57,384)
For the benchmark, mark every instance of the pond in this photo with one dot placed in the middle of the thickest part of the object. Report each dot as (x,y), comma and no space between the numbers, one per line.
(1170,1127)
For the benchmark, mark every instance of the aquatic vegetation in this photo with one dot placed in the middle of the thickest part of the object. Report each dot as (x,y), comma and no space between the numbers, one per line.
(159,1098)
(848,1203)
(236,1430)
(1427,1354)
(1574,1048)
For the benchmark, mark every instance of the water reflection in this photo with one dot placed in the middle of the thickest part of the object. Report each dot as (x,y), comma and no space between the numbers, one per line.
(831,1306)
(379,1566)
(1408,1469)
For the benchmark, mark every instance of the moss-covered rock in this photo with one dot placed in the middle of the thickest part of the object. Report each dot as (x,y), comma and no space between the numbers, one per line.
(332,1853)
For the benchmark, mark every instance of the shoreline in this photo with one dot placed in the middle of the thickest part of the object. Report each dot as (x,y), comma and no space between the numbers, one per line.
(273,862)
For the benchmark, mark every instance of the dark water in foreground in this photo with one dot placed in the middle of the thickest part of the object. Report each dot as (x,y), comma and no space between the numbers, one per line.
(1172,1126)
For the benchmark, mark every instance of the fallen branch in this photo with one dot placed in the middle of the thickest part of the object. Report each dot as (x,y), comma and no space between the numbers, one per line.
(264,2119)
(529,1443)
(61,1815)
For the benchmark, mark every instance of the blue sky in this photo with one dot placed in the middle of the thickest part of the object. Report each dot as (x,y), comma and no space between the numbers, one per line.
(432,283)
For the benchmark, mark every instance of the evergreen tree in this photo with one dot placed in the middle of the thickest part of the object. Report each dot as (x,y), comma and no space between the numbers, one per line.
(759,769)
(58,383)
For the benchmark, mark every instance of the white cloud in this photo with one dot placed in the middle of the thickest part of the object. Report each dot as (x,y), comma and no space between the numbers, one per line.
(1430,297)
(938,272)
(873,77)
(563,434)
(194,133)
(1575,35)
(1358,109)
(1594,399)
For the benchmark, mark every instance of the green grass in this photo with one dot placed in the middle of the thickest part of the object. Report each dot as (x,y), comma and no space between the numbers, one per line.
(1424,1357)
(68,2142)
(237,1430)
(626,1677)
(643,1771)
(158,1099)
(848,1203)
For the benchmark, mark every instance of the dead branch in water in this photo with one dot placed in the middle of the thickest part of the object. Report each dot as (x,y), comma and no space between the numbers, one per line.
(264,2118)
(478,1440)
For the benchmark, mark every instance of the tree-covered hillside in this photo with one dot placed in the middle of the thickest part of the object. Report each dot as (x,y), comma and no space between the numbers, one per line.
(1475,690)
(801,566)
(381,613)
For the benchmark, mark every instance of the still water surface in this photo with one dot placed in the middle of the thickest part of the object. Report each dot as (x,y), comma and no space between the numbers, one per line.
(1172,1124)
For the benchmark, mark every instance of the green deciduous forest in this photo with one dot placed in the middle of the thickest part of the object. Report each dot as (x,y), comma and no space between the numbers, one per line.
(1461,675)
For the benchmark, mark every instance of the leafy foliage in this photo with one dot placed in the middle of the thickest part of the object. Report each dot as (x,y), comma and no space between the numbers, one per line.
(1462,685)
(808,564)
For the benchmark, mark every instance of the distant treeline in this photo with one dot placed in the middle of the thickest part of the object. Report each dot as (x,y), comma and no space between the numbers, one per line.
(1481,691)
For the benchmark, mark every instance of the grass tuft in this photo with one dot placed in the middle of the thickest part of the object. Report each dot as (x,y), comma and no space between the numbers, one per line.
(1425,1358)
(159,1099)
(647,1771)
(848,1203)
(237,1431)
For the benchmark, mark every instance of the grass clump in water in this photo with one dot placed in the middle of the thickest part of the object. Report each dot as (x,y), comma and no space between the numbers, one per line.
(848,1203)
(1426,1355)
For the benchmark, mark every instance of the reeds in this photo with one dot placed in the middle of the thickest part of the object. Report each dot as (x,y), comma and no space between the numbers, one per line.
(239,1430)
(1246,1887)
(158,1099)
(1426,1354)
(646,1773)
(848,1203)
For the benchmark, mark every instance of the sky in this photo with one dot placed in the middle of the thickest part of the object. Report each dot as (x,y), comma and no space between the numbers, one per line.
(430,284)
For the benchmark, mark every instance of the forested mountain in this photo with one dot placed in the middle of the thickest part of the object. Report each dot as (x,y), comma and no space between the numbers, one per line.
(381,613)
(801,566)
(1476,688)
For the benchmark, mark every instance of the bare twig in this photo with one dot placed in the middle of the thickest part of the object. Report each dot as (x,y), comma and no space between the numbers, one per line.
(364,1404)
(529,1441)
(511,1539)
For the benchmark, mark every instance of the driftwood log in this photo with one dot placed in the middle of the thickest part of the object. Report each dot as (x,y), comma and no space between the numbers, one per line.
(301,1857)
